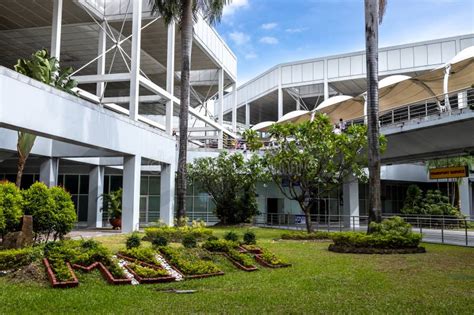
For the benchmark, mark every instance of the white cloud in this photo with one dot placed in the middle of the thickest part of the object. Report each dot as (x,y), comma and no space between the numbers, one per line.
(269,26)
(235,5)
(250,55)
(296,30)
(239,38)
(269,40)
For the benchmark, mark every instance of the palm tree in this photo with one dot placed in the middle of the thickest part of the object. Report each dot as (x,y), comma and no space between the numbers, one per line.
(184,12)
(374,11)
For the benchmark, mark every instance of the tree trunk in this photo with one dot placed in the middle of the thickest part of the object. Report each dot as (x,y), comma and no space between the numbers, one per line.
(186,47)
(307,213)
(371,42)
(21,166)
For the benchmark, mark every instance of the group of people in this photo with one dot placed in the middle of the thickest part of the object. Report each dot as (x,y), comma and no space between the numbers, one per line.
(340,127)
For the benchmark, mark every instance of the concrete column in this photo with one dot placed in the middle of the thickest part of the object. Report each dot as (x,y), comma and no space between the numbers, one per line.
(131,193)
(49,172)
(96,189)
(280,102)
(325,82)
(234,107)
(298,104)
(167,194)
(247,115)
(350,209)
(220,113)
(465,194)
(56,29)
(462,100)
(102,46)
(135,67)
(170,77)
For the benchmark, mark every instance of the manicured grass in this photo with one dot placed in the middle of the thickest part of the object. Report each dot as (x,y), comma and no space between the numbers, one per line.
(440,281)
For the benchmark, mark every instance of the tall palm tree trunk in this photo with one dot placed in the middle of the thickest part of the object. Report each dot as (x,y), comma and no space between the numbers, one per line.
(21,165)
(371,43)
(186,48)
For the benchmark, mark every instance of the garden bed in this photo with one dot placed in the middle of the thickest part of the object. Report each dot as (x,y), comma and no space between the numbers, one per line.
(374,250)
(262,262)
(105,273)
(239,265)
(54,281)
(142,279)
(251,249)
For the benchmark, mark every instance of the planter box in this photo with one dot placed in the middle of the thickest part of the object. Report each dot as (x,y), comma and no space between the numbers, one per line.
(265,264)
(134,260)
(253,250)
(239,265)
(60,284)
(105,273)
(150,280)
(372,250)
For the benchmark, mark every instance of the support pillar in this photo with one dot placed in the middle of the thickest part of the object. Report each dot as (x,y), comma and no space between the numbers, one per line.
(96,189)
(325,82)
(131,192)
(234,107)
(298,104)
(247,115)
(170,77)
(167,194)
(102,47)
(350,209)
(49,172)
(220,113)
(135,67)
(465,196)
(56,29)
(280,102)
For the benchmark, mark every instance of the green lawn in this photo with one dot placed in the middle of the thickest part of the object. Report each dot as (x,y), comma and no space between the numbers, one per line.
(440,281)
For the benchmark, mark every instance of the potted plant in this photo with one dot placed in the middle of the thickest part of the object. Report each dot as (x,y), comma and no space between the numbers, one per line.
(112,204)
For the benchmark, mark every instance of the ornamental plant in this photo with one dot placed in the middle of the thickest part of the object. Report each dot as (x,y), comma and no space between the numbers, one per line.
(133,241)
(242,259)
(189,241)
(231,236)
(147,272)
(250,238)
(38,202)
(10,207)
(64,212)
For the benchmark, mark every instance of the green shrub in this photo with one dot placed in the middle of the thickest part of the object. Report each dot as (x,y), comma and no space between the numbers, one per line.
(318,235)
(391,226)
(242,259)
(250,238)
(64,212)
(133,241)
(433,203)
(187,263)
(271,258)
(39,203)
(141,253)
(176,234)
(15,258)
(10,207)
(219,245)
(189,241)
(231,236)
(159,241)
(353,239)
(212,238)
(147,272)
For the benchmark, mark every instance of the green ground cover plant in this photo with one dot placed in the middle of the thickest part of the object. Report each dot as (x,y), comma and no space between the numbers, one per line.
(15,258)
(147,272)
(144,254)
(316,235)
(176,234)
(218,245)
(188,263)
(241,258)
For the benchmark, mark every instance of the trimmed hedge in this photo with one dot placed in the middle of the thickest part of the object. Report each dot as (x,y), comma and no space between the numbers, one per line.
(177,234)
(14,258)
(353,239)
(219,245)
(187,263)
(318,235)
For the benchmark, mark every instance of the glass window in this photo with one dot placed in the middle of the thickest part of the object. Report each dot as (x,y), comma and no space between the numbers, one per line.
(153,209)
(61,180)
(84,185)
(106,184)
(83,206)
(144,185)
(72,184)
(143,206)
(155,185)
(115,182)
(26,181)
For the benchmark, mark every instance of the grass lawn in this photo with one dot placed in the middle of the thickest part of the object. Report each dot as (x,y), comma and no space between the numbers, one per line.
(440,281)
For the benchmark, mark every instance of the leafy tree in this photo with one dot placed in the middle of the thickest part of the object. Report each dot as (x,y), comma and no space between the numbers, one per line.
(45,69)
(437,204)
(252,139)
(374,11)
(413,201)
(183,12)
(314,160)
(39,203)
(231,182)
(10,207)
(64,212)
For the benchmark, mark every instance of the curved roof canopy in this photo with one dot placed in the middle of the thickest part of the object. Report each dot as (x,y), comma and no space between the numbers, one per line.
(342,106)
(263,126)
(296,116)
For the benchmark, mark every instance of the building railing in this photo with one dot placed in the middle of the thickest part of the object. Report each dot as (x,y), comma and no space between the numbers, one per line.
(434,229)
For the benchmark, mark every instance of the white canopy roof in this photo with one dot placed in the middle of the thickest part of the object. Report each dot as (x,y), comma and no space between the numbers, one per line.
(342,106)
(263,126)
(295,116)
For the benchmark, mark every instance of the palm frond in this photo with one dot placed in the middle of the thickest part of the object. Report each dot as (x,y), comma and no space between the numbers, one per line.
(382,8)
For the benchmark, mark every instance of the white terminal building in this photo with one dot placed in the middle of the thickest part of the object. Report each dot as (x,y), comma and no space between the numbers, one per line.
(121,129)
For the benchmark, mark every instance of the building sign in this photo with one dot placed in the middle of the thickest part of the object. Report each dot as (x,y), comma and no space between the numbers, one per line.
(300,219)
(448,172)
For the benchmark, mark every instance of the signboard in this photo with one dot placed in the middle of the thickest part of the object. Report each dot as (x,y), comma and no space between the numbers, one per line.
(300,219)
(448,172)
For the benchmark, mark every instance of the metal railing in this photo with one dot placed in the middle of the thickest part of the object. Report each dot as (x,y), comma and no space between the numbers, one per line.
(434,229)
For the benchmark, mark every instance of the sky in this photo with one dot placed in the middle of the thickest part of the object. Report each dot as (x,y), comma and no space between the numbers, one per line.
(264,33)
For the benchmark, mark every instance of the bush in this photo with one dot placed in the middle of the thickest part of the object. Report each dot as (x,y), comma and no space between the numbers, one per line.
(360,240)
(141,253)
(133,241)
(212,238)
(14,258)
(39,203)
(188,264)
(147,272)
(176,234)
(231,236)
(159,241)
(10,207)
(250,238)
(189,241)
(271,258)
(219,245)
(433,203)
(319,235)
(242,259)
(64,212)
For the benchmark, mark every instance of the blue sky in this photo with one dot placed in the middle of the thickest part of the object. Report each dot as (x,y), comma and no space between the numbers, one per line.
(263,33)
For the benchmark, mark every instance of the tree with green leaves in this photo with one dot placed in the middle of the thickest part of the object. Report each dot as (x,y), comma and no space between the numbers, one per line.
(374,12)
(184,12)
(45,69)
(230,180)
(312,160)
